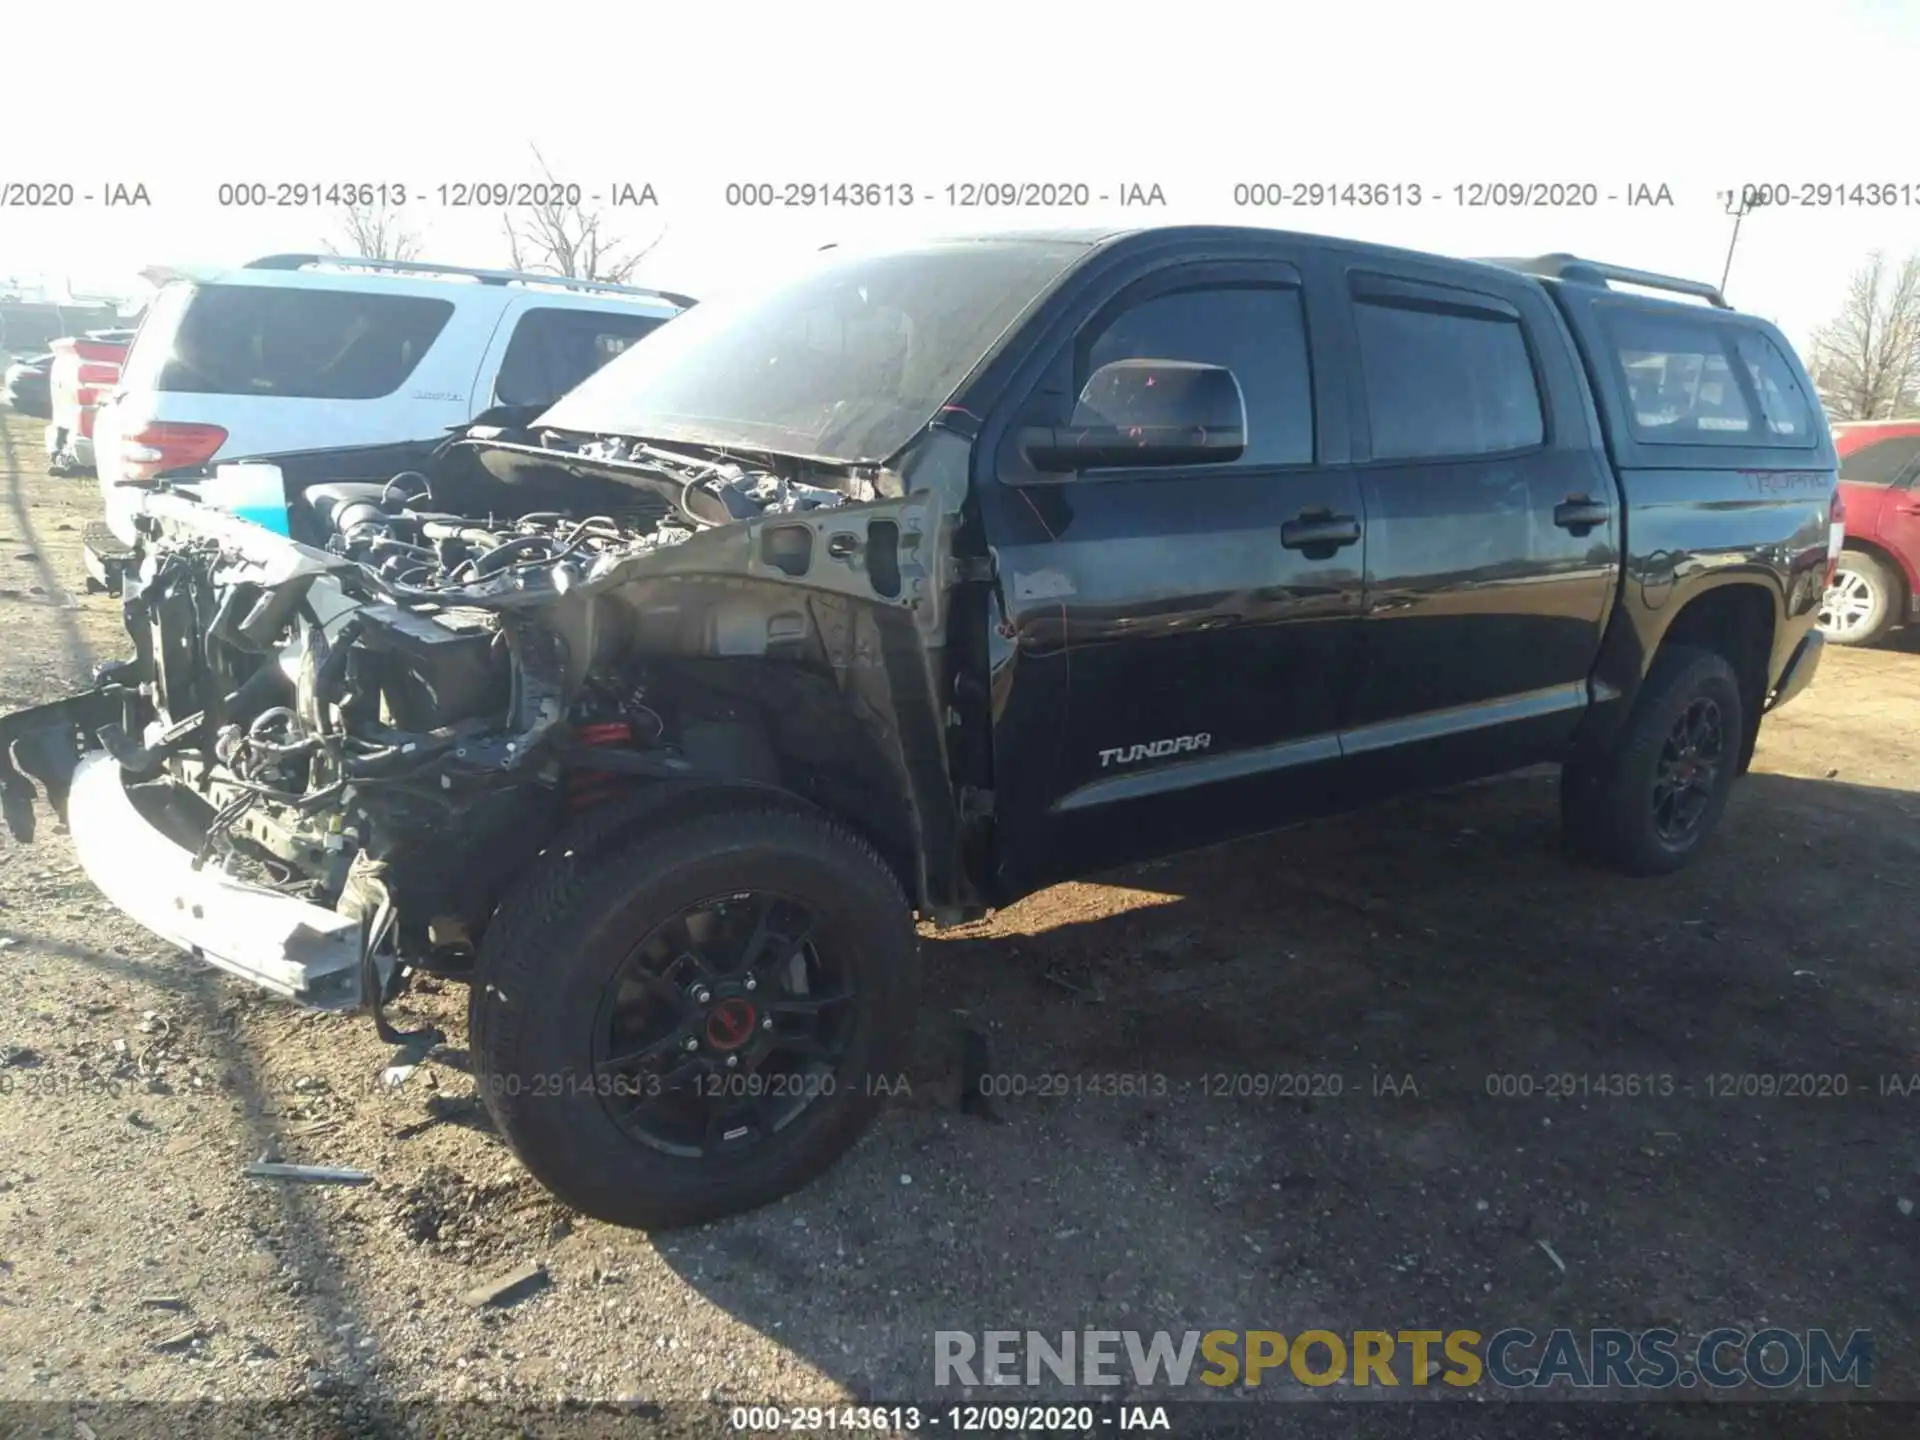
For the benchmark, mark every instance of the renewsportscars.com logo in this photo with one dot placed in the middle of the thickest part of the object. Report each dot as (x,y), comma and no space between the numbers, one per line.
(1511,1359)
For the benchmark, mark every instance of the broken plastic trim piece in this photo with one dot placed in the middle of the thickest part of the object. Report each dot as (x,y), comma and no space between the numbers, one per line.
(377,988)
(16,797)
(45,743)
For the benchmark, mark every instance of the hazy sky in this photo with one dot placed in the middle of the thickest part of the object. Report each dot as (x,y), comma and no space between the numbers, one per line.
(1194,97)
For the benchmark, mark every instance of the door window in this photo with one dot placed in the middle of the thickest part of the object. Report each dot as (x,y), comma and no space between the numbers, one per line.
(1444,383)
(1881,462)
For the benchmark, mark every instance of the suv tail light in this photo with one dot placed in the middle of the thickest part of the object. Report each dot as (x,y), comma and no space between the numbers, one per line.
(163,445)
(1836,534)
(92,381)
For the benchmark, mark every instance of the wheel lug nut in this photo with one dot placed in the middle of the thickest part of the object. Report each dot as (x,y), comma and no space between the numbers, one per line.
(767,1024)
(733,1061)
(750,983)
(691,1044)
(702,995)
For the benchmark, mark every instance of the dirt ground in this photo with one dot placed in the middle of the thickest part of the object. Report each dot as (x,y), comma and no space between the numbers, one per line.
(1412,952)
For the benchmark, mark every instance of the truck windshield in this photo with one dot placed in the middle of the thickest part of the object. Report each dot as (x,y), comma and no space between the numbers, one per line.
(846,362)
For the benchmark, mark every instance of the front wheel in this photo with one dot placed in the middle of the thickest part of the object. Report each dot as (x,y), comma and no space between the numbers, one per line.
(1860,606)
(696,1022)
(1649,804)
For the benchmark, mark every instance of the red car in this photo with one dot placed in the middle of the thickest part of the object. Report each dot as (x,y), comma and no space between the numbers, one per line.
(86,369)
(1878,579)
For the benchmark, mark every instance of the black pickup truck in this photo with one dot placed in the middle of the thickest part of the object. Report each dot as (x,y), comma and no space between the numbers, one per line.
(912,584)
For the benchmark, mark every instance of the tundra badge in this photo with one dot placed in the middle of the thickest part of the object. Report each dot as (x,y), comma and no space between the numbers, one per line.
(1179,744)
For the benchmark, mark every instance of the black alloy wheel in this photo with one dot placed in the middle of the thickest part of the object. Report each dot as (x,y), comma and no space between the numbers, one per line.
(725,1023)
(1688,771)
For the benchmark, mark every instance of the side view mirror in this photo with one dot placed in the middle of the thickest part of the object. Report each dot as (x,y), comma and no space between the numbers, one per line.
(1146,413)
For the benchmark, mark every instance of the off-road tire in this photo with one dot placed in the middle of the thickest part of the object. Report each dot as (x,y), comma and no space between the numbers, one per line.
(1607,806)
(1884,594)
(562,932)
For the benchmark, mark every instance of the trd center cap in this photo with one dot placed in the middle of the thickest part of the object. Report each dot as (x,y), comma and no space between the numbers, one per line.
(730,1024)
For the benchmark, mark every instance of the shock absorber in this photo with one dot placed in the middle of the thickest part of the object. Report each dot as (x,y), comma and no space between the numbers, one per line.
(590,787)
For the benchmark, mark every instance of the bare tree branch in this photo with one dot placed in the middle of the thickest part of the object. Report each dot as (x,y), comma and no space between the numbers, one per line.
(1866,360)
(562,237)
(375,232)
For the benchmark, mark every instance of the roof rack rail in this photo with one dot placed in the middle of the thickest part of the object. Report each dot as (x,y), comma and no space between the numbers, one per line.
(1574,270)
(485,277)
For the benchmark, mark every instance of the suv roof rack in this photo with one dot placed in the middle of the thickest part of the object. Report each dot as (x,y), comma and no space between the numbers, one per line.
(485,277)
(1576,271)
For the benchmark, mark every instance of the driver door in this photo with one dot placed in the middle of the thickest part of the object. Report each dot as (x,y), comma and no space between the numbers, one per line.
(1170,646)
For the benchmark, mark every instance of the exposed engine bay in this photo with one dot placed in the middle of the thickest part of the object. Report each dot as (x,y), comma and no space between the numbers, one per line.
(420,549)
(387,714)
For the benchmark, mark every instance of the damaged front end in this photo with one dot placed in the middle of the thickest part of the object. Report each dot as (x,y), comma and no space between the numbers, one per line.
(331,754)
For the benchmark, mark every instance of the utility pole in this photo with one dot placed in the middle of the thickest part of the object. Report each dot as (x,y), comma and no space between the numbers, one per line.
(1739,204)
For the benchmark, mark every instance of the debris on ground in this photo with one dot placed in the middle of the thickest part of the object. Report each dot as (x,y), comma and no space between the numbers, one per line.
(317,1174)
(179,1339)
(516,1284)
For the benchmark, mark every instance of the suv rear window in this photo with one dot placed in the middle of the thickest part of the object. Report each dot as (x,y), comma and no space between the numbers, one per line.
(553,349)
(262,340)
(1698,382)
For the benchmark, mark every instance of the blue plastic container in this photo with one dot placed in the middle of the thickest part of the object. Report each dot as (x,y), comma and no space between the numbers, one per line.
(251,492)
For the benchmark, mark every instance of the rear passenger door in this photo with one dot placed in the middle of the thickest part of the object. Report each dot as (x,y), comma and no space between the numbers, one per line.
(1899,526)
(1492,528)
(1883,499)
(1170,645)
(550,348)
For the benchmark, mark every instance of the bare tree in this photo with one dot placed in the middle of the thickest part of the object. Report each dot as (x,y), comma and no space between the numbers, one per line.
(564,237)
(1866,360)
(376,232)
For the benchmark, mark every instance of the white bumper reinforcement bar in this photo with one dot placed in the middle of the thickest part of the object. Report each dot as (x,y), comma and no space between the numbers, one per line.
(289,946)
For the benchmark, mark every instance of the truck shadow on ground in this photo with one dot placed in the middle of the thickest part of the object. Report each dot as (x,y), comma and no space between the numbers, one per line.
(1395,1070)
(293,1224)
(25,544)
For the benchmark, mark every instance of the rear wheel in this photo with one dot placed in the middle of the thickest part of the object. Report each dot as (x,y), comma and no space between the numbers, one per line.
(1862,602)
(691,1024)
(1648,806)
